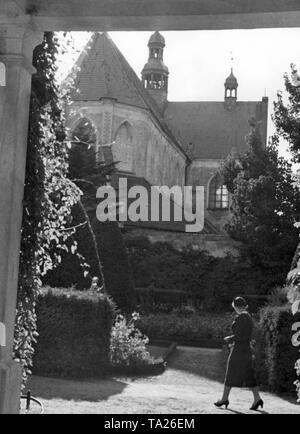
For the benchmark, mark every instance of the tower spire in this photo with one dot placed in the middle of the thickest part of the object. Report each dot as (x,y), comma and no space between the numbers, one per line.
(231,85)
(155,73)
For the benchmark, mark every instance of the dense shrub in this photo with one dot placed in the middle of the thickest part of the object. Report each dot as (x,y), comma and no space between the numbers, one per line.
(74,333)
(100,252)
(160,265)
(280,355)
(213,280)
(293,280)
(192,327)
(128,346)
(114,260)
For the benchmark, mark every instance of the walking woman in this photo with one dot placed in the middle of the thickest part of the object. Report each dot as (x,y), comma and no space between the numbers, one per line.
(240,372)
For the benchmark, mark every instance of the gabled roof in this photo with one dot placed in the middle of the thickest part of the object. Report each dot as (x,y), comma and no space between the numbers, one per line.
(210,131)
(103,72)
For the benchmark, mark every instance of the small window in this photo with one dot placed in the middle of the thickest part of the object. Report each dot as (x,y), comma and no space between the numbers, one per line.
(218,194)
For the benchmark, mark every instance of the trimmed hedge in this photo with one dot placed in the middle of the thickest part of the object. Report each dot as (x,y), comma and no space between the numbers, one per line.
(74,333)
(192,328)
(279,354)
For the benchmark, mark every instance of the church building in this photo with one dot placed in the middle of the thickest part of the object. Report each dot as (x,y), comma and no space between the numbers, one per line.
(157,142)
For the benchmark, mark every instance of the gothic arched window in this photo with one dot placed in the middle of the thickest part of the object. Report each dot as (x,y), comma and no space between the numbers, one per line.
(122,148)
(82,155)
(218,194)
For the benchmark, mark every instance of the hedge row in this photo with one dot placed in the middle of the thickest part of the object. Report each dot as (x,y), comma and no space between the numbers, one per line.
(190,328)
(279,354)
(201,275)
(74,333)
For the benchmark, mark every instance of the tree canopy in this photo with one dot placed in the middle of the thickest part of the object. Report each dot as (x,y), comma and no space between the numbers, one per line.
(265,205)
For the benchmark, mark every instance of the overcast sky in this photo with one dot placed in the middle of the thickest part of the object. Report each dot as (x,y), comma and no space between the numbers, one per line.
(199,61)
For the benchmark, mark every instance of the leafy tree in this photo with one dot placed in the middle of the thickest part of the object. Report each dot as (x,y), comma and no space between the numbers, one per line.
(287,113)
(88,171)
(287,121)
(287,118)
(265,205)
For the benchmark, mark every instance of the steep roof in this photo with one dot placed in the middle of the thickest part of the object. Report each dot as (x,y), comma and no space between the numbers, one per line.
(103,72)
(209,130)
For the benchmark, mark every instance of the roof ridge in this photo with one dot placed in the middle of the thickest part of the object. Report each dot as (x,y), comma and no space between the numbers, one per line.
(147,98)
(80,58)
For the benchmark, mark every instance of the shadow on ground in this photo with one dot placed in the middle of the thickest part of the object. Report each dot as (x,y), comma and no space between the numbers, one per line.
(92,390)
(206,363)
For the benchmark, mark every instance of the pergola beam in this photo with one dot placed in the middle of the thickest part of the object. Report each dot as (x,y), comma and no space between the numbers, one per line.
(170,22)
(93,15)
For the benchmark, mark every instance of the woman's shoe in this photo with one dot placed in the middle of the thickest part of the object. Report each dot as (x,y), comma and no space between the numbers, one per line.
(220,404)
(258,404)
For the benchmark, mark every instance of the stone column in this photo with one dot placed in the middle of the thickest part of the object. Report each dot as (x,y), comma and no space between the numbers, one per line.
(16,49)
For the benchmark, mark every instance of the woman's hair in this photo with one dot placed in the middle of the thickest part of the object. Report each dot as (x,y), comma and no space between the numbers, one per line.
(240,303)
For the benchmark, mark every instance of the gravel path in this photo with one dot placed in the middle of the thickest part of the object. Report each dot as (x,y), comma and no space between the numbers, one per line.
(191,384)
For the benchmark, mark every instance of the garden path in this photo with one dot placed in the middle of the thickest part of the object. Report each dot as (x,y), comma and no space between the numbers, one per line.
(191,384)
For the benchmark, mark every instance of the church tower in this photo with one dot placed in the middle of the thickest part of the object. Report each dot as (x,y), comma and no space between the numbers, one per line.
(155,72)
(231,85)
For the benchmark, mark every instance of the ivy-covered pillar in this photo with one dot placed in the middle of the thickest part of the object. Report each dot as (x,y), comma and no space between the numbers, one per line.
(16,49)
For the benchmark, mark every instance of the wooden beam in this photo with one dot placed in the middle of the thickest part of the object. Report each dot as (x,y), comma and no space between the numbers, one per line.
(93,15)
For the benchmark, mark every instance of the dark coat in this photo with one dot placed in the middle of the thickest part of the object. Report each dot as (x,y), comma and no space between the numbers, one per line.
(240,372)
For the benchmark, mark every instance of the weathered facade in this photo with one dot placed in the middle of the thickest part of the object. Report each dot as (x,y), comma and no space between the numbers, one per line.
(158,141)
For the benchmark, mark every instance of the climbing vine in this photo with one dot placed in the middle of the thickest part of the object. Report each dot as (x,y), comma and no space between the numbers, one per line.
(48,197)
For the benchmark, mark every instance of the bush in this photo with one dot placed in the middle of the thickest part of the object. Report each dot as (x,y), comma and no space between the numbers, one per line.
(297,382)
(278,297)
(74,333)
(213,281)
(116,268)
(280,355)
(128,346)
(195,327)
(160,265)
(101,252)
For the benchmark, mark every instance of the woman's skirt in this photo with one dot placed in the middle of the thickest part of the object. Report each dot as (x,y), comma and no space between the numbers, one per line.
(240,370)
